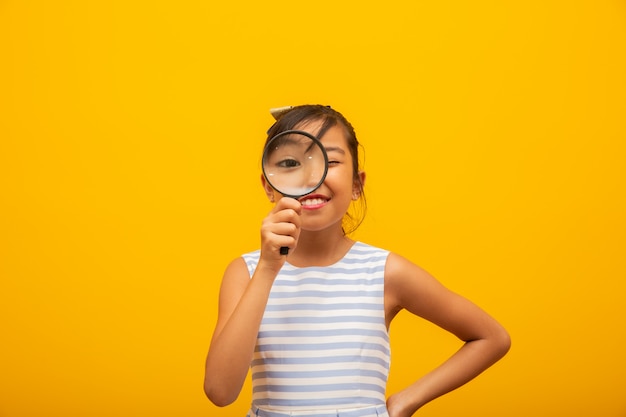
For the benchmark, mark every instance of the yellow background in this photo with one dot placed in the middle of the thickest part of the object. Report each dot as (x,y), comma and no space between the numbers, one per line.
(130,136)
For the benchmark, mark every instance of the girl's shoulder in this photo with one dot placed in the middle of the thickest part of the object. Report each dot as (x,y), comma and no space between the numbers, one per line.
(400,268)
(251,260)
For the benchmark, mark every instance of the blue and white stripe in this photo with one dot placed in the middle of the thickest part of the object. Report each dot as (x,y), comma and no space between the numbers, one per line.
(323,343)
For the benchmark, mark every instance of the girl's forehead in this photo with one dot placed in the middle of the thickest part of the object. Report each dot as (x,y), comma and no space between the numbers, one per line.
(335,138)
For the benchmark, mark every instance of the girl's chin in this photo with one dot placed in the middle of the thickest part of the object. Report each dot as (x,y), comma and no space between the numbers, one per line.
(318,227)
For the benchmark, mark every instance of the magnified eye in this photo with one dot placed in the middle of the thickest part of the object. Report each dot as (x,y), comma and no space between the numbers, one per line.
(288,163)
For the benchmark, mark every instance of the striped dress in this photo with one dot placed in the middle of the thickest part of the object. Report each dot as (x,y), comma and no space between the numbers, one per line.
(323,345)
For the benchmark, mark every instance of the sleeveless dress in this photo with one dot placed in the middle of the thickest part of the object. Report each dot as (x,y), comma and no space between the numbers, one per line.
(323,346)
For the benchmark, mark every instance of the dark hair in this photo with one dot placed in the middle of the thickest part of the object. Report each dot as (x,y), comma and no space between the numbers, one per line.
(297,116)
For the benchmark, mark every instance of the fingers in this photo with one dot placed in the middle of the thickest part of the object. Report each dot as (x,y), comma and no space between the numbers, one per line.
(281,228)
(287,203)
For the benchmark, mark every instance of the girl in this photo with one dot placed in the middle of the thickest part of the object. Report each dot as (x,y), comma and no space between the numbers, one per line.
(313,325)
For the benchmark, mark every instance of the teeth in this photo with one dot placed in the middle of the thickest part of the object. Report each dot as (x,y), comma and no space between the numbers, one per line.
(313,201)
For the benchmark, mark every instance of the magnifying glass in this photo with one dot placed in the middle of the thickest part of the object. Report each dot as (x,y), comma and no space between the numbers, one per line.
(294,164)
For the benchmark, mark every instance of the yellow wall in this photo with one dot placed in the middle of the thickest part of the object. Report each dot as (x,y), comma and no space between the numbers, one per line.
(130,133)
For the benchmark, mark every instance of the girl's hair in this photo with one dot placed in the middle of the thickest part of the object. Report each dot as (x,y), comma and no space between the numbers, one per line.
(300,115)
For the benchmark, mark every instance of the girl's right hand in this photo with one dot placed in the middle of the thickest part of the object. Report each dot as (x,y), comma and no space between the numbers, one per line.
(280,228)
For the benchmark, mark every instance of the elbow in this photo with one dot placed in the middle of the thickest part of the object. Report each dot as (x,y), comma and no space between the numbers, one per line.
(502,342)
(218,395)
(496,342)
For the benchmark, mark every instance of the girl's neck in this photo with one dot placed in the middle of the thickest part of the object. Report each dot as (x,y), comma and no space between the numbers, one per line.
(320,248)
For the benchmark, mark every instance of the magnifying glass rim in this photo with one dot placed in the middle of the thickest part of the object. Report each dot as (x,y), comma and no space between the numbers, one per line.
(315,140)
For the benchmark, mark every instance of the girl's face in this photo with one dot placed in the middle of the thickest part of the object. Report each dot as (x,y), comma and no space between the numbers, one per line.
(326,206)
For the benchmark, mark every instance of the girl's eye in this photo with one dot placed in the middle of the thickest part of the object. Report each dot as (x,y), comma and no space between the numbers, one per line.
(288,163)
(332,162)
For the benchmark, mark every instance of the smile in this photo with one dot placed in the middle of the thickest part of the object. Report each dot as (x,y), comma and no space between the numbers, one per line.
(313,202)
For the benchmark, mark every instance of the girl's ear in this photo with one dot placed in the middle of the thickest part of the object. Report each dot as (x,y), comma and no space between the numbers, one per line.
(358,185)
(269,191)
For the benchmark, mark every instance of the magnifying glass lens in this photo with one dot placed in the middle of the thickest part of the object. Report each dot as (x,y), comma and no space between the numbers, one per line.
(295,163)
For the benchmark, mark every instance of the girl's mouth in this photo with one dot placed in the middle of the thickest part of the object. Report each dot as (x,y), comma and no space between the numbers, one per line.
(313,201)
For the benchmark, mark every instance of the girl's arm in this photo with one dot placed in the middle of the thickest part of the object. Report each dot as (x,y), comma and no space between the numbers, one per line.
(242,303)
(486,341)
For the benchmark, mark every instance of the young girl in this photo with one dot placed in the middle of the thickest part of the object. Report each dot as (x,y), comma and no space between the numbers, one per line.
(313,325)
